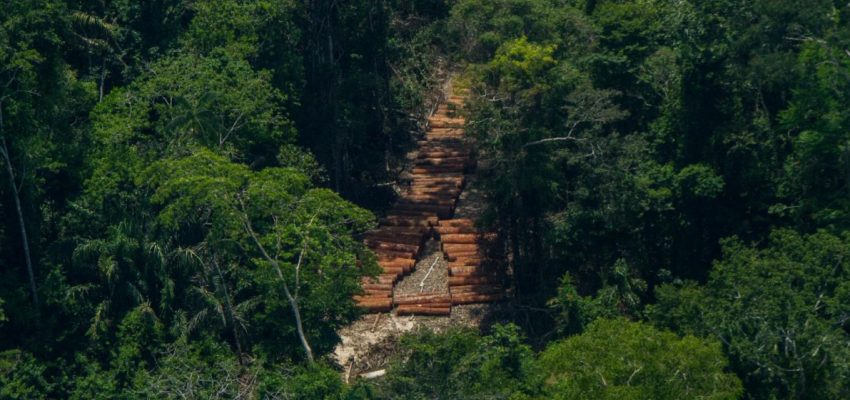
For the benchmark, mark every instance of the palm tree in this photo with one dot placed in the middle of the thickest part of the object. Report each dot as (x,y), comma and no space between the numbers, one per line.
(195,119)
(216,303)
(116,260)
(97,34)
(623,289)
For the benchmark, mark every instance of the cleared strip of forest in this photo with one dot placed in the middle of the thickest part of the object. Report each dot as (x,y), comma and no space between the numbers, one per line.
(425,211)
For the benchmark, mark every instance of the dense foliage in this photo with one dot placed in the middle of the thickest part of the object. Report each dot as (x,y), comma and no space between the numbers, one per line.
(184,182)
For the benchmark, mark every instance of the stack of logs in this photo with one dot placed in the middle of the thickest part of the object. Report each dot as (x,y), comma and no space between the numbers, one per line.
(438,179)
(429,303)
(470,281)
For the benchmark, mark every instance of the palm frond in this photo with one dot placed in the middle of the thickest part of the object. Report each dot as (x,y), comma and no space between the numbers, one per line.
(196,320)
(90,21)
(88,250)
(207,98)
(181,102)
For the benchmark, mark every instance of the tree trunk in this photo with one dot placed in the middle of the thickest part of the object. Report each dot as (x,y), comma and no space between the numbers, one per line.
(303,338)
(229,313)
(293,302)
(15,194)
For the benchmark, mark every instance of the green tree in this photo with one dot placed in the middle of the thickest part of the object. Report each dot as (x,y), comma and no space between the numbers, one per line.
(300,235)
(780,312)
(616,359)
(462,364)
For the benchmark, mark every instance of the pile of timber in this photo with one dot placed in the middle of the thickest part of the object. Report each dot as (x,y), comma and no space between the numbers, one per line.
(397,248)
(429,303)
(437,180)
(470,281)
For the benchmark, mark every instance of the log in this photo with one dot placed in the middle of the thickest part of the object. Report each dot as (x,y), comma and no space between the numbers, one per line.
(437,199)
(406,266)
(385,254)
(464,259)
(446,298)
(442,154)
(407,221)
(460,160)
(452,194)
(411,214)
(460,246)
(452,230)
(467,263)
(370,298)
(476,289)
(471,271)
(379,279)
(438,169)
(477,298)
(439,209)
(462,254)
(443,175)
(452,256)
(442,179)
(378,286)
(406,248)
(378,305)
(457,222)
(415,239)
(445,124)
(405,230)
(376,292)
(393,270)
(444,201)
(458,238)
(408,310)
(441,190)
(470,280)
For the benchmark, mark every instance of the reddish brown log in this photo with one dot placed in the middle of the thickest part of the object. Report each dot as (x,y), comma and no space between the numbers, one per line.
(476,289)
(470,280)
(443,161)
(382,292)
(378,286)
(453,230)
(457,222)
(384,254)
(442,154)
(380,279)
(460,246)
(408,310)
(477,298)
(466,263)
(471,271)
(423,299)
(432,200)
(393,270)
(458,238)
(423,207)
(405,265)
(456,255)
(406,248)
(463,259)
(412,239)
(407,221)
(385,306)
(370,298)
(405,230)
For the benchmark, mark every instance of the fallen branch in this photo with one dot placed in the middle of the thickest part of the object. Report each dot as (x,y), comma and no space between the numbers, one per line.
(422,284)
(374,374)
